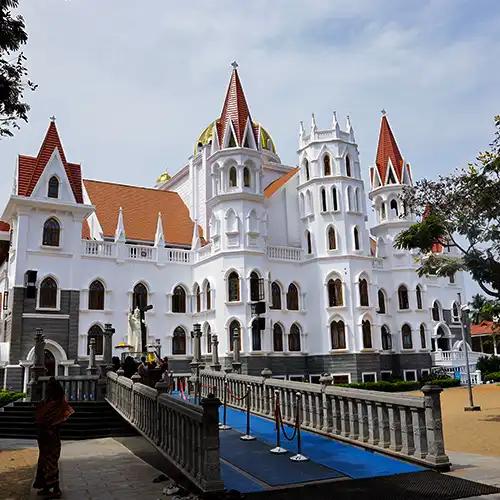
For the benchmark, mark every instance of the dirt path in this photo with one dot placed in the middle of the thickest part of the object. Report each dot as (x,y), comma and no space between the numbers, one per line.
(17,468)
(472,432)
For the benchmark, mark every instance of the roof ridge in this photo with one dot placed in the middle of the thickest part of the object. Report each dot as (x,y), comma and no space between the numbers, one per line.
(131,186)
(387,148)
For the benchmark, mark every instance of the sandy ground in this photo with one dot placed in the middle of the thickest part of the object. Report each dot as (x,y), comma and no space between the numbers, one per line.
(17,470)
(472,432)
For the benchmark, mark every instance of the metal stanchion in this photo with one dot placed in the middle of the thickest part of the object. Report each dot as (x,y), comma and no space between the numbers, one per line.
(298,457)
(277,449)
(248,436)
(224,426)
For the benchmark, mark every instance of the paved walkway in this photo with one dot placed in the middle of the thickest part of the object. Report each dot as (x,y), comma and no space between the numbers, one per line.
(96,469)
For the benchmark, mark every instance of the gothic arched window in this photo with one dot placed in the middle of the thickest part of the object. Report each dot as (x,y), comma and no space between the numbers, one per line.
(179,300)
(292,298)
(255,284)
(246,177)
(233,287)
(256,337)
(323,200)
(332,239)
(294,338)
(363,293)
(306,169)
(208,333)
(334,198)
(327,165)
(403,297)
(436,311)
(179,341)
(356,238)
(347,166)
(308,242)
(366,329)
(233,181)
(53,187)
(51,233)
(381,302)
(455,312)
(337,335)
(140,296)
(277,338)
(275,296)
(95,332)
(335,297)
(208,297)
(386,338)
(234,326)
(418,293)
(394,207)
(96,295)
(48,293)
(406,335)
(423,340)
(197,294)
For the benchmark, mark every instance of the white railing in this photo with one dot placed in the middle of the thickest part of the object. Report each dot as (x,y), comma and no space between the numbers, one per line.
(475,375)
(139,252)
(454,358)
(186,434)
(203,252)
(285,253)
(98,248)
(397,424)
(76,388)
(178,255)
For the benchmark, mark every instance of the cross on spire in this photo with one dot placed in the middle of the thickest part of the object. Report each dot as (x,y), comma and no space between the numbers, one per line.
(234,64)
(53,118)
(383,111)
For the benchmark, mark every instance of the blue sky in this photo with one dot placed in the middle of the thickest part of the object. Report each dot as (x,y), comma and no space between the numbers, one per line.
(133,83)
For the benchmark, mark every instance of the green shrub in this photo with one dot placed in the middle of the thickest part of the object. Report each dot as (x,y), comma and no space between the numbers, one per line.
(7,397)
(492,377)
(402,385)
(489,364)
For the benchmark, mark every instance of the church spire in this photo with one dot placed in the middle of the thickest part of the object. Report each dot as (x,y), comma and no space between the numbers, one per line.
(388,150)
(235,110)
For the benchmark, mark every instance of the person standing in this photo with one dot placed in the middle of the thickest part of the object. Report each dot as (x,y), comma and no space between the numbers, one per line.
(50,414)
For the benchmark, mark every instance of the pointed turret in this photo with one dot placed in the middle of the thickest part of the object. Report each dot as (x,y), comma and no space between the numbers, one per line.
(159,238)
(196,241)
(120,227)
(301,129)
(313,124)
(388,151)
(335,123)
(235,111)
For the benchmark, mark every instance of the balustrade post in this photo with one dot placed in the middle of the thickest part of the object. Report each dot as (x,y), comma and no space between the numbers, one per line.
(92,368)
(326,402)
(265,404)
(211,478)
(107,351)
(434,425)
(38,369)
(236,363)
(215,353)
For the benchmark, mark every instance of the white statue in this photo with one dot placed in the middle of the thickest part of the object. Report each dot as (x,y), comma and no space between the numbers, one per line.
(134,330)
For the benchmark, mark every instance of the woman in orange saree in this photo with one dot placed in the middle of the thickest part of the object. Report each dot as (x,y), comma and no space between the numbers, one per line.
(49,415)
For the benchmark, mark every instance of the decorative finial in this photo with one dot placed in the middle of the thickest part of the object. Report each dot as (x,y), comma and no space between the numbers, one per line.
(384,112)
(234,64)
(52,118)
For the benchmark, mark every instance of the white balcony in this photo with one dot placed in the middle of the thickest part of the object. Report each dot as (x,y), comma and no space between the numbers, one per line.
(292,254)
(454,359)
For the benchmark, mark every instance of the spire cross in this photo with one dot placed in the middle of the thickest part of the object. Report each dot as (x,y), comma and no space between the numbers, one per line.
(234,64)
(52,118)
(384,112)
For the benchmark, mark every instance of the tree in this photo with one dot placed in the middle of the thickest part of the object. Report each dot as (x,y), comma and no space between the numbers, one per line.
(462,210)
(12,69)
(483,309)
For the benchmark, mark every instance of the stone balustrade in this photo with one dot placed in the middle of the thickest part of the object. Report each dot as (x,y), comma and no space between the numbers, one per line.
(186,434)
(76,388)
(397,424)
(285,253)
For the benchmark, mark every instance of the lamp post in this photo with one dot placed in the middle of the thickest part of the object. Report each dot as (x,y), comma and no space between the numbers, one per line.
(464,309)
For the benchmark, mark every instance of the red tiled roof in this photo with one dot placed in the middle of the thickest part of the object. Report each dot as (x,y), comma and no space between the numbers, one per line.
(4,227)
(31,168)
(388,149)
(235,110)
(280,181)
(373,247)
(484,328)
(140,212)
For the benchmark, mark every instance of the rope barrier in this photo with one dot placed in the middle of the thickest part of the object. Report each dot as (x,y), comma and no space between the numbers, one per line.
(248,436)
(278,449)
(224,426)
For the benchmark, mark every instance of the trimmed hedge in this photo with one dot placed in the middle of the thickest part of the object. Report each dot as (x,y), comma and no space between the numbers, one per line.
(492,377)
(7,397)
(402,385)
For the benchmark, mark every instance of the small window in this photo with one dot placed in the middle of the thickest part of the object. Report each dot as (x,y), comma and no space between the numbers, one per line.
(423,341)
(95,332)
(51,233)
(327,168)
(455,313)
(383,214)
(369,377)
(356,239)
(255,287)
(179,300)
(335,296)
(381,302)
(424,373)
(309,242)
(232,177)
(332,239)
(246,177)
(410,375)
(418,293)
(140,296)
(96,295)
(256,336)
(48,293)
(208,297)
(233,287)
(292,298)
(334,199)
(436,311)
(394,207)
(386,376)
(337,335)
(452,278)
(53,187)
(406,336)
(277,338)
(363,293)
(275,296)
(386,338)
(179,341)
(347,166)
(341,379)
(306,169)
(366,329)
(294,338)
(209,339)
(234,327)
(403,297)
(197,294)
(323,200)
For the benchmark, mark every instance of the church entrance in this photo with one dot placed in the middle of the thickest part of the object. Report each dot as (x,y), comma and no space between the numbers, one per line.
(50,363)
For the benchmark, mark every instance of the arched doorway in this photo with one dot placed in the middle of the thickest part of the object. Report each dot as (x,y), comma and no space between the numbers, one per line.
(50,363)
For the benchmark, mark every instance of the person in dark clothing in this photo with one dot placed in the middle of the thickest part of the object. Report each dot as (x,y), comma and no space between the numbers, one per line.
(129,366)
(116,363)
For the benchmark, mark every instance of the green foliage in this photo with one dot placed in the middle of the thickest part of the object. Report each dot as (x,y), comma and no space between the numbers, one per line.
(12,69)
(462,210)
(488,365)
(7,397)
(402,385)
(492,377)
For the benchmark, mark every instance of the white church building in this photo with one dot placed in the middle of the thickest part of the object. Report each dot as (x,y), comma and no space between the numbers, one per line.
(234,226)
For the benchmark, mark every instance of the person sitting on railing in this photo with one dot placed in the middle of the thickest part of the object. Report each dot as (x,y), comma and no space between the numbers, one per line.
(49,415)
